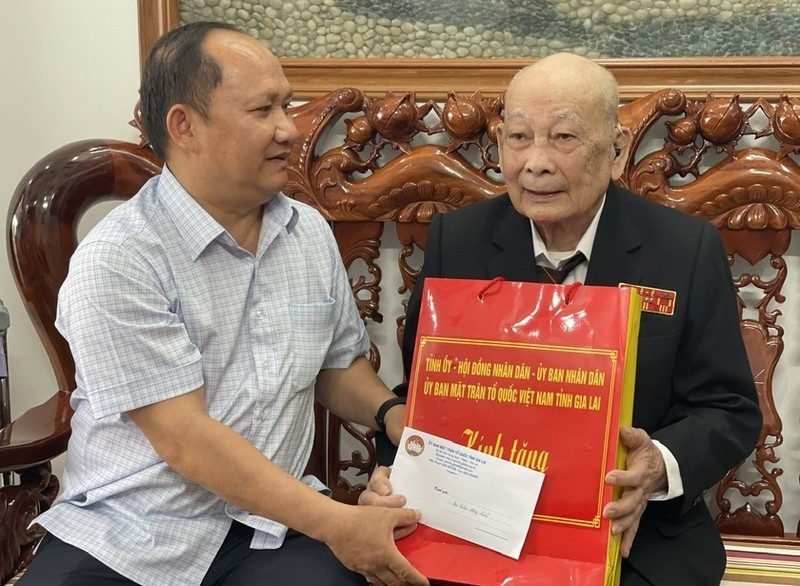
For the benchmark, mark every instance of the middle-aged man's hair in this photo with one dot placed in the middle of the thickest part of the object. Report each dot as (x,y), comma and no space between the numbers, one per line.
(178,71)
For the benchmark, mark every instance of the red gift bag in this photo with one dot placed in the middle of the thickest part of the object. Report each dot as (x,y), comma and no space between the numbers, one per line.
(541,375)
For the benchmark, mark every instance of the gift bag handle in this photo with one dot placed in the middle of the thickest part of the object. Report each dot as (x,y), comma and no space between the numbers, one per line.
(488,286)
(569,292)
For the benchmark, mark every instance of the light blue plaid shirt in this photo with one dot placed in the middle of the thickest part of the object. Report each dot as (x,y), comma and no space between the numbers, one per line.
(159,301)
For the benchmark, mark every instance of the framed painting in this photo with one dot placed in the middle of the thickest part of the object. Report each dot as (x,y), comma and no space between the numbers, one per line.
(482,57)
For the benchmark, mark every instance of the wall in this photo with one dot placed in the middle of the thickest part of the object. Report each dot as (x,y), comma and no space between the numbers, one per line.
(511,28)
(69,71)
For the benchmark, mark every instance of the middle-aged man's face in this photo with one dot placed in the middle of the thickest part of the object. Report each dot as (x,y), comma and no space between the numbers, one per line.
(244,144)
(556,149)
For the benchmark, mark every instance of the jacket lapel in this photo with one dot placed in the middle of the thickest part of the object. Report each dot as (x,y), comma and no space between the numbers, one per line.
(614,253)
(616,245)
(514,244)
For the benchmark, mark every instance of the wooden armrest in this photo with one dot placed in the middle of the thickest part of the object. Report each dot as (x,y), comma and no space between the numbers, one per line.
(39,435)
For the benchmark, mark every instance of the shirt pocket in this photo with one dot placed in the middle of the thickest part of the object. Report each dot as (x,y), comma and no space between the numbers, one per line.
(313,325)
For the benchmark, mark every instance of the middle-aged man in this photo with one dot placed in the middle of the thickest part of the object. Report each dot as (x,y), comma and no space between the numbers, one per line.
(695,409)
(199,314)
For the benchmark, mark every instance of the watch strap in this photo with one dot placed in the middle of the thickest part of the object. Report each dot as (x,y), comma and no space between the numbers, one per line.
(384,408)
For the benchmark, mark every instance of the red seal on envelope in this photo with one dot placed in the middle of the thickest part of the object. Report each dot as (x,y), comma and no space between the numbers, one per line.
(415,445)
(655,300)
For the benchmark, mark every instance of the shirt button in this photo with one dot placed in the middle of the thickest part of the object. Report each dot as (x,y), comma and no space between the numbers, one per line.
(259,314)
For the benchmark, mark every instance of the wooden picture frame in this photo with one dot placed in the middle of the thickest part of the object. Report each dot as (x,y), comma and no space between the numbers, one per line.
(749,77)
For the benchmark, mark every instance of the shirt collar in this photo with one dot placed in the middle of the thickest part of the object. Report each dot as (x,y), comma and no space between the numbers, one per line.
(280,213)
(585,244)
(198,229)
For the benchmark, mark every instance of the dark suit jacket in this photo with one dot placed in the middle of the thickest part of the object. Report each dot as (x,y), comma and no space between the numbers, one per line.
(694,389)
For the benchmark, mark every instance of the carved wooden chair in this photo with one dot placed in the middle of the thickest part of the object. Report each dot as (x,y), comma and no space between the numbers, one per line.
(398,163)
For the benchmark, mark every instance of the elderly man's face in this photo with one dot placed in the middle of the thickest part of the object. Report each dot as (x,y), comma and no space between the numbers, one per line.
(557,154)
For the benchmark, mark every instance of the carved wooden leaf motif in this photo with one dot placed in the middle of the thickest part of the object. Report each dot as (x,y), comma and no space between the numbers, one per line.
(361,241)
(353,182)
(756,207)
(138,124)
(682,132)
(786,121)
(754,246)
(764,350)
(359,131)
(361,460)
(464,119)
(754,188)
(19,505)
(313,120)
(721,121)
(397,118)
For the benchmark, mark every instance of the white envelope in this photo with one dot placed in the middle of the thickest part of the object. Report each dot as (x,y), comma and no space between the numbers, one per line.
(466,493)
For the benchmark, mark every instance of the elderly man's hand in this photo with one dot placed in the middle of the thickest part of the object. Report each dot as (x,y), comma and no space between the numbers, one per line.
(379,494)
(645,475)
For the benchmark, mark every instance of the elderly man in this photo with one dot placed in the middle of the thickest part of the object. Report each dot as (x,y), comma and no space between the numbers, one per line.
(199,314)
(695,409)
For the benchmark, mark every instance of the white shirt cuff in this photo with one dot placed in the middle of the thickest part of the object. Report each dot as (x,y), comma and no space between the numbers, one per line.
(674,481)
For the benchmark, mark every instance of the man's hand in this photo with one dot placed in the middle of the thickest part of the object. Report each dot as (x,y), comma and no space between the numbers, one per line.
(363,540)
(645,475)
(379,494)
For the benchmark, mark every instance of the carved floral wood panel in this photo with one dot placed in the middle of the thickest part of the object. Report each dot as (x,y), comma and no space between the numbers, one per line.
(751,195)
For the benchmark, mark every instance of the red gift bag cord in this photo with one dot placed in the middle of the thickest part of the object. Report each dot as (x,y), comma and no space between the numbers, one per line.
(488,286)
(569,294)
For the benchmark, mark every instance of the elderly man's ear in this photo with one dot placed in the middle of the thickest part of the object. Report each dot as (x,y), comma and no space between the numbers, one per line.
(621,146)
